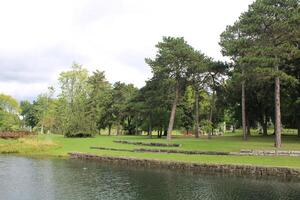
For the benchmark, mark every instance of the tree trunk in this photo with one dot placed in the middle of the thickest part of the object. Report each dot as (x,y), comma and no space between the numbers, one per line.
(150,128)
(265,126)
(42,128)
(248,130)
(210,133)
(244,109)
(130,132)
(150,132)
(277,112)
(265,129)
(248,126)
(136,132)
(173,112)
(196,114)
(298,127)
(159,133)
(118,128)
(109,129)
(165,133)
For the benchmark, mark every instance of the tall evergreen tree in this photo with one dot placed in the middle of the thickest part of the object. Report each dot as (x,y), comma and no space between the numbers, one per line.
(270,30)
(172,59)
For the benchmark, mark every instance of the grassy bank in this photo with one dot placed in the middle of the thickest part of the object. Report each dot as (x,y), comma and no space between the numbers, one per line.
(57,145)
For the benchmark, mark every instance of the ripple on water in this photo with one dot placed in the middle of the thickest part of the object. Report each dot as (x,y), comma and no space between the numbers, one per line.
(30,179)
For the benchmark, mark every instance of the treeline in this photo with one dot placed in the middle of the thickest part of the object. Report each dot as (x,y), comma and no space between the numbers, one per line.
(87,104)
(189,90)
(264,45)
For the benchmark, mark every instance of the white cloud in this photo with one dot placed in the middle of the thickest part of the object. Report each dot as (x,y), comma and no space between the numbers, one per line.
(39,38)
(21,91)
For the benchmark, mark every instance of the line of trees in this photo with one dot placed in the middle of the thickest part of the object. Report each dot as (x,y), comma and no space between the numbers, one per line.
(189,90)
(88,104)
(264,45)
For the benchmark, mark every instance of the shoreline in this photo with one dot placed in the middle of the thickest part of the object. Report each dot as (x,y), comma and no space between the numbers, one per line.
(230,169)
(52,146)
(239,170)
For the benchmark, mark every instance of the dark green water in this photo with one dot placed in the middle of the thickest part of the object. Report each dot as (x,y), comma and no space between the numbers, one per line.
(43,179)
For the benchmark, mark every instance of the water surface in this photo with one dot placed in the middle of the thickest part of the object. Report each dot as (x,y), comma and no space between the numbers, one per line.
(59,179)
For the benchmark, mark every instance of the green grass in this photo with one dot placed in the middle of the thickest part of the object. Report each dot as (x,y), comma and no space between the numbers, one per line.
(31,145)
(57,145)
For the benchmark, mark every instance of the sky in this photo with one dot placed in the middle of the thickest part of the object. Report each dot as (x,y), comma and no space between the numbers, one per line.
(41,38)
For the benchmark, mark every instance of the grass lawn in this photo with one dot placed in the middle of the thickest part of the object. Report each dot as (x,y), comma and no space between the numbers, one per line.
(57,145)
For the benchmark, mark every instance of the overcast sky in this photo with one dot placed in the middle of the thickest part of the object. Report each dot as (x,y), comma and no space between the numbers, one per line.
(41,38)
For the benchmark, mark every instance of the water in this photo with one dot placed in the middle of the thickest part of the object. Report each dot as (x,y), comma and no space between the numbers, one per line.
(43,179)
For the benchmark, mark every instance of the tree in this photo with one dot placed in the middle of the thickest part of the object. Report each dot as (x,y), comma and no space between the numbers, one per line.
(44,110)
(154,101)
(266,36)
(73,101)
(121,95)
(216,72)
(9,111)
(99,94)
(274,25)
(107,117)
(197,76)
(172,60)
(292,116)
(187,105)
(28,114)
(235,45)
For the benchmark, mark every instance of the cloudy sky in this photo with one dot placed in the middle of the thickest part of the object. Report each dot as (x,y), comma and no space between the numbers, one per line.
(41,38)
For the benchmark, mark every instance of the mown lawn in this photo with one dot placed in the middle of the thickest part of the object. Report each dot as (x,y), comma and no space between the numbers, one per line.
(57,145)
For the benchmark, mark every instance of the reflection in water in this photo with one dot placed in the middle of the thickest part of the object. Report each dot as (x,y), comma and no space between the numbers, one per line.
(26,178)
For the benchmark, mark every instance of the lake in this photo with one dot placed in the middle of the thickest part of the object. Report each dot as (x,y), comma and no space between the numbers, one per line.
(62,179)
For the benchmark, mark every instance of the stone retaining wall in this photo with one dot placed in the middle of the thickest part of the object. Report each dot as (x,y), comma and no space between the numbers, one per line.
(112,149)
(165,151)
(244,170)
(148,143)
(190,152)
(269,152)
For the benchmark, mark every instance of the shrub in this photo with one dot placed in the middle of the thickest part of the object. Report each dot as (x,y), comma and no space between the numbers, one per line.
(78,135)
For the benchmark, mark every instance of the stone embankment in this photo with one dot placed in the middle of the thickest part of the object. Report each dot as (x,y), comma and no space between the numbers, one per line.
(148,143)
(190,152)
(164,151)
(269,153)
(239,170)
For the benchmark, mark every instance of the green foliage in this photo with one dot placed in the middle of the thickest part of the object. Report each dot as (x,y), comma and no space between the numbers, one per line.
(121,96)
(153,103)
(187,105)
(264,38)
(99,100)
(263,44)
(206,126)
(172,59)
(9,113)
(28,112)
(74,99)
(42,113)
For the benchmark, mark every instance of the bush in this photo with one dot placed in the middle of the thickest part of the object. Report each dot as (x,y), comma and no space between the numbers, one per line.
(206,126)
(78,135)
